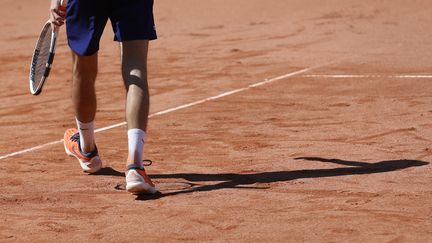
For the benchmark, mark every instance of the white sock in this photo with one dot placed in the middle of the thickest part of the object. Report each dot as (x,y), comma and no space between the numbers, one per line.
(136,139)
(86,131)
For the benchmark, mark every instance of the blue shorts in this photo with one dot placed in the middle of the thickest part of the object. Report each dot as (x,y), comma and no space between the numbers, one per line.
(86,20)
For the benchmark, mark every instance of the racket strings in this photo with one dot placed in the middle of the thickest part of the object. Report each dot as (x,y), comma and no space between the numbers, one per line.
(42,54)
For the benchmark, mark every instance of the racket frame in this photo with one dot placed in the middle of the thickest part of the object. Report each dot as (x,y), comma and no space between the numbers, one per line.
(37,90)
(51,54)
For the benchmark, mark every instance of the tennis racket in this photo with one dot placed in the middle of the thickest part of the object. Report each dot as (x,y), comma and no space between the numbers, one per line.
(43,55)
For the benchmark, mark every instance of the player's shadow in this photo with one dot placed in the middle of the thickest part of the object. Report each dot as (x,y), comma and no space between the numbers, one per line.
(234,180)
(108,171)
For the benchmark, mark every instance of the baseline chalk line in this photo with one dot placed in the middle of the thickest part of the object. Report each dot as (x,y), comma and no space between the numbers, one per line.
(400,76)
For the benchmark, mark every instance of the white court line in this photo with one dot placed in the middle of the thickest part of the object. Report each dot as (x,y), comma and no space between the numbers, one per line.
(402,76)
(266,81)
(30,149)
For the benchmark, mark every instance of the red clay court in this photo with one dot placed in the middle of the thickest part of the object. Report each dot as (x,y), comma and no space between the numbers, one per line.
(279,121)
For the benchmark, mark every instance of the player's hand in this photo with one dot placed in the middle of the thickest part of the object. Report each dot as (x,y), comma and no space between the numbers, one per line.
(57,14)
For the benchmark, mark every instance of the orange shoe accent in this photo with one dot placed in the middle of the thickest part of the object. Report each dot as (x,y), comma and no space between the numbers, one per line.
(89,162)
(73,146)
(137,180)
(145,177)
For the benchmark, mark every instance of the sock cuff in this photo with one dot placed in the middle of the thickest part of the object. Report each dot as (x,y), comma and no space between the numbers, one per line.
(137,132)
(86,132)
(84,125)
(136,138)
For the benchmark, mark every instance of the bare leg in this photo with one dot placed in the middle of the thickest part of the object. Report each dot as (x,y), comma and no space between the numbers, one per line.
(134,70)
(83,91)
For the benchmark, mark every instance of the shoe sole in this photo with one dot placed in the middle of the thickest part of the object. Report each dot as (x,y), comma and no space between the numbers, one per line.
(140,188)
(95,161)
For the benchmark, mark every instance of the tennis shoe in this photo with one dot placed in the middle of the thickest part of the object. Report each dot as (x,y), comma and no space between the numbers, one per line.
(90,162)
(137,181)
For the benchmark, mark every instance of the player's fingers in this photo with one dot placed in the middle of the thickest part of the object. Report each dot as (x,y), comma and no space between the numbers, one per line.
(56,22)
(60,13)
(56,19)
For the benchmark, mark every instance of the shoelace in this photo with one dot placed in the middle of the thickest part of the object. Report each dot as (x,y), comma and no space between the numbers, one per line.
(147,162)
(75,137)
